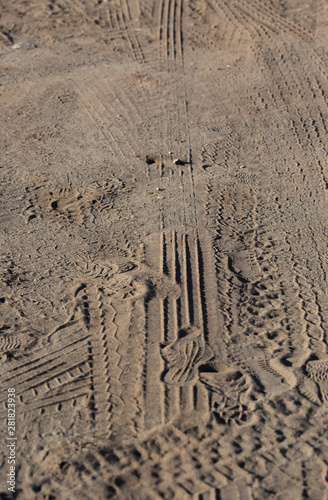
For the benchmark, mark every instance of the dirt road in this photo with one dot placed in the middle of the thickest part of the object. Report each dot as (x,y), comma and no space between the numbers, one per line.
(163,267)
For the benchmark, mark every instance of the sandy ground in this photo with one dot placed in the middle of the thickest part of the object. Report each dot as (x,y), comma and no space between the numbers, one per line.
(163,266)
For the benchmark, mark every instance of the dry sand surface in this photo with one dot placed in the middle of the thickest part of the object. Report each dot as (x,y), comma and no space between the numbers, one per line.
(163,268)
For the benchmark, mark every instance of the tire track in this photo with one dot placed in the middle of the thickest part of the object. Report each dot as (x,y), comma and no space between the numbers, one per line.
(170,32)
(271,15)
(298,342)
(304,180)
(123,120)
(284,78)
(188,346)
(118,18)
(125,24)
(310,304)
(56,378)
(307,132)
(97,118)
(177,328)
(251,292)
(106,372)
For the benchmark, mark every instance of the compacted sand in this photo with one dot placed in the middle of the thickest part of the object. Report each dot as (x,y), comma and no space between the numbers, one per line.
(163,267)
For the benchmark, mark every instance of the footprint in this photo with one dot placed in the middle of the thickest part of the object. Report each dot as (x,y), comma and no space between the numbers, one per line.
(184,356)
(229,389)
(15,343)
(71,205)
(245,263)
(271,375)
(309,389)
(242,261)
(318,371)
(96,270)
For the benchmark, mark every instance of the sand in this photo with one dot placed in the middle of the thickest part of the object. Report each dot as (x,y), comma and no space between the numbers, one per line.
(163,303)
